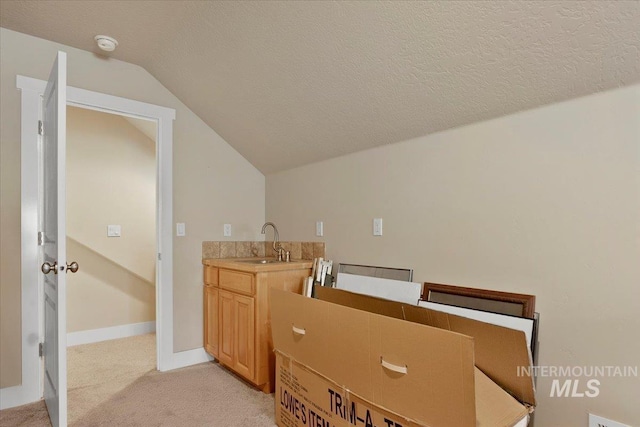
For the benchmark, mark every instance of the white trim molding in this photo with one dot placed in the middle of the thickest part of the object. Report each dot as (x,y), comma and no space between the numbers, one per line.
(30,389)
(189,357)
(110,333)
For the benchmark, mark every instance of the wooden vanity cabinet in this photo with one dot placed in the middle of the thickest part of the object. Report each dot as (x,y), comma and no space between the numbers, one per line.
(239,306)
(211,297)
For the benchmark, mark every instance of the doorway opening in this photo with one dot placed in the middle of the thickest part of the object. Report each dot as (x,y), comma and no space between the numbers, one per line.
(111,225)
(111,234)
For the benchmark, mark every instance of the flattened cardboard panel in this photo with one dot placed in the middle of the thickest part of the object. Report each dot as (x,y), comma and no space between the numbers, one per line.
(512,322)
(348,341)
(438,386)
(499,351)
(307,316)
(360,302)
(437,319)
(494,407)
(307,398)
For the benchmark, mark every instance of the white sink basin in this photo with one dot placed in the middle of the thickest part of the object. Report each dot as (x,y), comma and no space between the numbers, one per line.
(260,261)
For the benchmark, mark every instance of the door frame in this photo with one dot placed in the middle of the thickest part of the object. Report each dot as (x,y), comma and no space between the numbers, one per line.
(32,89)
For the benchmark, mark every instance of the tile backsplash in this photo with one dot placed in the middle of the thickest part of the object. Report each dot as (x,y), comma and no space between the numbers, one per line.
(227,249)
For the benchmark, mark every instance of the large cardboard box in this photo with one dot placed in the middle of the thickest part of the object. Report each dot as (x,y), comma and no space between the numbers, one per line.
(390,364)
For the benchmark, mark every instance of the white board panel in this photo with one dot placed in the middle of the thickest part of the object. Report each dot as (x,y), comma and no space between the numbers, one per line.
(523,324)
(395,290)
(523,422)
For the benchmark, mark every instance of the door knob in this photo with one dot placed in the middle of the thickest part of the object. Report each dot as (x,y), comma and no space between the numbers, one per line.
(73,267)
(46,268)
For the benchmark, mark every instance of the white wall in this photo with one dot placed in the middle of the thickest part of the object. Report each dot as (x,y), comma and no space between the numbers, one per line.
(544,202)
(213,184)
(111,179)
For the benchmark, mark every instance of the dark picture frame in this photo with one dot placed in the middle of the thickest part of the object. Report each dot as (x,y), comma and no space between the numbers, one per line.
(509,303)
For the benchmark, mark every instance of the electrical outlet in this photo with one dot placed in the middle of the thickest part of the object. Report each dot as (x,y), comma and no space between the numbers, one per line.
(319,228)
(597,421)
(113,231)
(227,230)
(377,226)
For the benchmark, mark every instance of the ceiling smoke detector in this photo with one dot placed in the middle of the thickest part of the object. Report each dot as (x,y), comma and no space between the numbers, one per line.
(106,43)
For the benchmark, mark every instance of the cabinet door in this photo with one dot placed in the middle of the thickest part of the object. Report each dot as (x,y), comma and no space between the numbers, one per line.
(211,320)
(244,336)
(225,328)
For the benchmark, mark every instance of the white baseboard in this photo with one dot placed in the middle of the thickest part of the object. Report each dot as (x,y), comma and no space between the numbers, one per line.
(188,358)
(112,333)
(19,395)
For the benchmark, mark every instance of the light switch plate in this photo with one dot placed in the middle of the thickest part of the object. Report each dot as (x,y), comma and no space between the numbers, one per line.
(180,229)
(377,226)
(227,230)
(113,231)
(597,421)
(319,228)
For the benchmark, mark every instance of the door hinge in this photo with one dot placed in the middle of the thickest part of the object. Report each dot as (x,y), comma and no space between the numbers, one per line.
(41,349)
(40,127)
(40,238)
(159,257)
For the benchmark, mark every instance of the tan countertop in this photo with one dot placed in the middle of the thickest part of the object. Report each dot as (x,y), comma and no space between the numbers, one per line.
(238,264)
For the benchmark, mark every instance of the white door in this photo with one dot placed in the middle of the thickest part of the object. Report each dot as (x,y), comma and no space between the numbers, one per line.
(53,240)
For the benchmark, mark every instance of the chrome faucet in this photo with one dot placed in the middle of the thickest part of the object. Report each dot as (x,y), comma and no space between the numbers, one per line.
(276,239)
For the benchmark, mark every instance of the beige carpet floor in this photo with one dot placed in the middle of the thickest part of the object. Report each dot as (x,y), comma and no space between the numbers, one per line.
(114,383)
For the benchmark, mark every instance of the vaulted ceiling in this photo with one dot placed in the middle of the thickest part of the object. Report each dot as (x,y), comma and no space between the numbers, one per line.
(290,83)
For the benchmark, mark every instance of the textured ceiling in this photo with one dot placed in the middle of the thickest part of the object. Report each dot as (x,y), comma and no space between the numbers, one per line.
(290,83)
